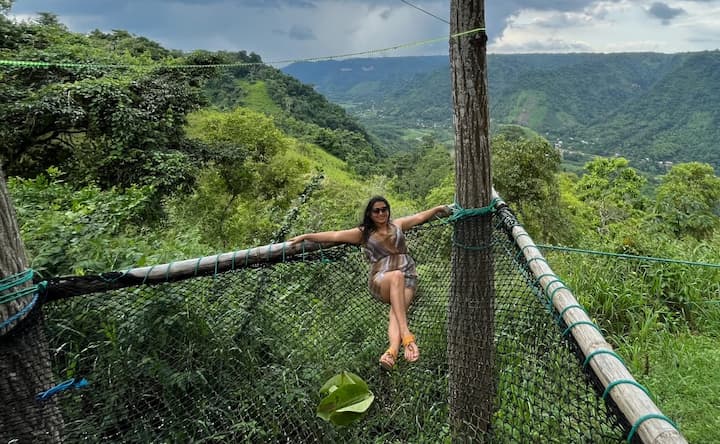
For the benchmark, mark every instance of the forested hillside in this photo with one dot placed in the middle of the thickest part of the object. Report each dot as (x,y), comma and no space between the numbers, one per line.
(138,142)
(639,105)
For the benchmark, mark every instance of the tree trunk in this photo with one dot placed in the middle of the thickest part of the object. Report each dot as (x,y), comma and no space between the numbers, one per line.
(471,352)
(25,367)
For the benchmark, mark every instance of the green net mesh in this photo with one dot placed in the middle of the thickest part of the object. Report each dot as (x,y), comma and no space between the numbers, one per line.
(239,356)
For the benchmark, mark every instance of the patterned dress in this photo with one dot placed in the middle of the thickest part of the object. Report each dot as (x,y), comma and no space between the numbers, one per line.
(388,253)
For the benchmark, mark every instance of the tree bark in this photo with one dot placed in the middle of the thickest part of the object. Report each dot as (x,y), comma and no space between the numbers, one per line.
(471,352)
(25,368)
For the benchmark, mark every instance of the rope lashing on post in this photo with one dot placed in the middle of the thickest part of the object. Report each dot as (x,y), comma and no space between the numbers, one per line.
(645,418)
(458,212)
(602,352)
(21,313)
(16,280)
(612,385)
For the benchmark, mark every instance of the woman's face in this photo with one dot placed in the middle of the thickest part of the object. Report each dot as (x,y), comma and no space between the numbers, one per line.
(380,213)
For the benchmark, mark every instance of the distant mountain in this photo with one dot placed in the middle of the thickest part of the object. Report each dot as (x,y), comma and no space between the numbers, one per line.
(345,79)
(660,107)
(678,118)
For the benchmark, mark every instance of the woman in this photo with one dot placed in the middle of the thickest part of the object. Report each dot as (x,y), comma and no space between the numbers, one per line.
(393,278)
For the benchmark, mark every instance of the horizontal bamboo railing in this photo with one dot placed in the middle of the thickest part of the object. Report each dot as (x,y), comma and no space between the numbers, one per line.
(646,419)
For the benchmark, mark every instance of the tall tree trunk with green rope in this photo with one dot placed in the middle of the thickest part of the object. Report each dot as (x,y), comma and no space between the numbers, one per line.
(25,367)
(471,352)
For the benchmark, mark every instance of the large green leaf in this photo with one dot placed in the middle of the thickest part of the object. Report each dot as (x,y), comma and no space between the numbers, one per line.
(347,400)
(341,379)
(359,407)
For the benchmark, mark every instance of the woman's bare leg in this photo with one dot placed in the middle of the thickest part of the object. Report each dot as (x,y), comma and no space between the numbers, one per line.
(393,333)
(393,291)
(412,352)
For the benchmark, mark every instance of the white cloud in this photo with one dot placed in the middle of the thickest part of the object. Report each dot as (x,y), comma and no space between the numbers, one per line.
(296,29)
(613,26)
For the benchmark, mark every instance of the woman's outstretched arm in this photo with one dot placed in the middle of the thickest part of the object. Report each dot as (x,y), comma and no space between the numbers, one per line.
(408,222)
(351,236)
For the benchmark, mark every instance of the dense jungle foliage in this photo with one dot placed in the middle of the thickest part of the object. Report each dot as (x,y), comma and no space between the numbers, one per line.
(142,164)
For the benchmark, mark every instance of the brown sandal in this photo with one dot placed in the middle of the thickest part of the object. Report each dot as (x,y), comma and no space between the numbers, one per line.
(409,344)
(387,360)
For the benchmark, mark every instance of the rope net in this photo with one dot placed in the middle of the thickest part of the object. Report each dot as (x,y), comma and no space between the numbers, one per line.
(240,356)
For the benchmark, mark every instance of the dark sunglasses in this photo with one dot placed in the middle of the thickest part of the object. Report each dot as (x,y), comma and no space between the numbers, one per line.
(380,210)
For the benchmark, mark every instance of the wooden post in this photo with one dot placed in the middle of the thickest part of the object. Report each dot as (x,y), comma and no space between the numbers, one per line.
(471,353)
(25,368)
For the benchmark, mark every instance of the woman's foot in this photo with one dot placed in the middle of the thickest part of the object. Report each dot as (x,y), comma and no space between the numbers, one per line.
(411,350)
(387,360)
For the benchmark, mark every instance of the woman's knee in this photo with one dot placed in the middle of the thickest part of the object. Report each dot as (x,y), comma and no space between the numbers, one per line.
(395,277)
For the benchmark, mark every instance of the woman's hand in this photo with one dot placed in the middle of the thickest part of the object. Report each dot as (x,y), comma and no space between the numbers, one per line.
(446,210)
(297,239)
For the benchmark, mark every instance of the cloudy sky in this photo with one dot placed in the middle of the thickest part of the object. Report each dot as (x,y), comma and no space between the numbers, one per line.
(298,29)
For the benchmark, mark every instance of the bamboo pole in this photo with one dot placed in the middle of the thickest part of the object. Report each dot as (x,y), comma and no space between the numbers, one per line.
(633,401)
(226,261)
(68,286)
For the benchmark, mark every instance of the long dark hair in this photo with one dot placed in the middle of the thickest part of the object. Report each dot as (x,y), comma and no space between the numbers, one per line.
(367,226)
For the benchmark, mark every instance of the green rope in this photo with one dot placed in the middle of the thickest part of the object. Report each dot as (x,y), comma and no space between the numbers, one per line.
(537,280)
(522,250)
(459,212)
(557,280)
(562,313)
(551,296)
(15,295)
(645,418)
(147,274)
(575,324)
(536,259)
(15,280)
(624,381)
(630,256)
(9,297)
(601,352)
(41,64)
(37,291)
(521,235)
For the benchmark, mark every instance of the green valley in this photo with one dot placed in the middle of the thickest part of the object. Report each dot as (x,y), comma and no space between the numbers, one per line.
(652,108)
